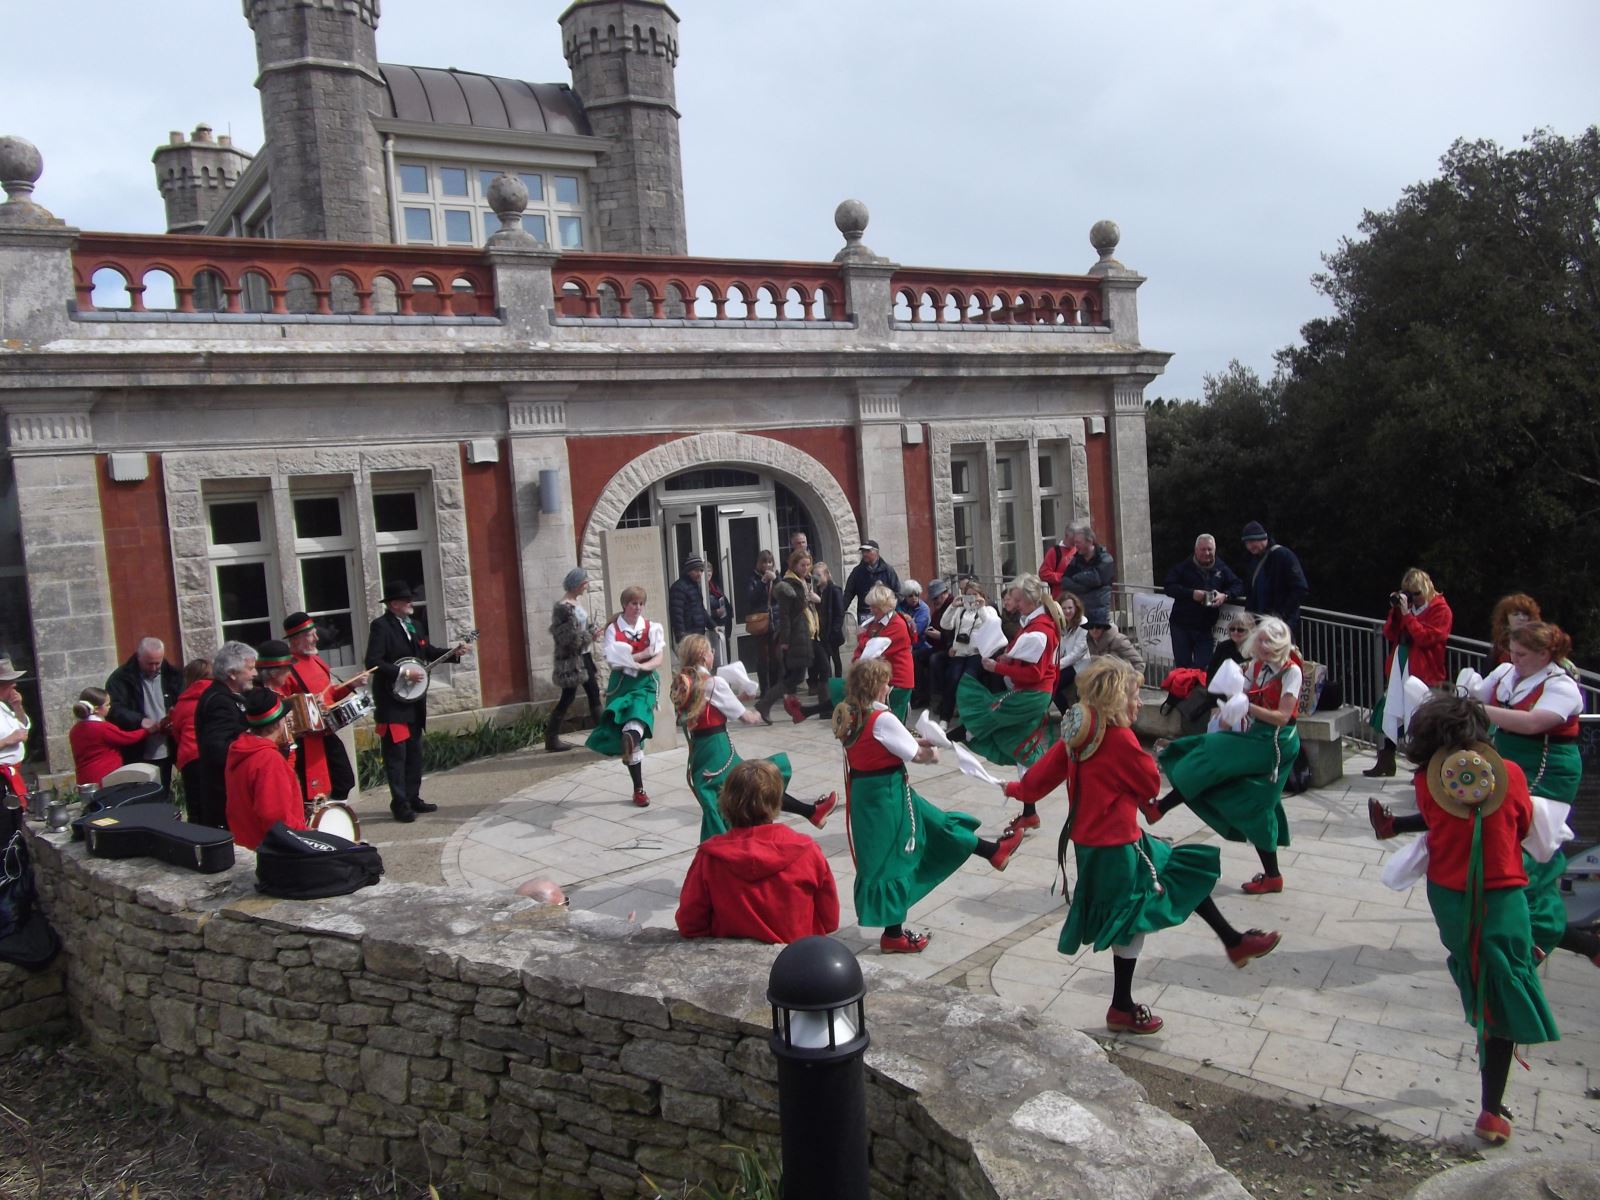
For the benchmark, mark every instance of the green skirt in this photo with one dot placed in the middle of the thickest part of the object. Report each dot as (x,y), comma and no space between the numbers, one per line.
(628,698)
(899,700)
(1545,908)
(903,846)
(1228,779)
(1115,900)
(711,757)
(1562,767)
(1514,1001)
(1009,728)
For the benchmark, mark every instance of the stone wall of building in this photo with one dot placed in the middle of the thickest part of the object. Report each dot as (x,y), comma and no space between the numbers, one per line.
(509,1050)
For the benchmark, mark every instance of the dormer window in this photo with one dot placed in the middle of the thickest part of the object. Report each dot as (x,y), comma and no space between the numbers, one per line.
(446,204)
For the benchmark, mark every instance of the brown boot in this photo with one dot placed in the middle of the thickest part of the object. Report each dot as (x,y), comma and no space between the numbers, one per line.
(1385,764)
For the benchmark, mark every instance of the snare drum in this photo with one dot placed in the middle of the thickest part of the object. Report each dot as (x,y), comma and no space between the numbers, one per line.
(336,817)
(305,714)
(348,711)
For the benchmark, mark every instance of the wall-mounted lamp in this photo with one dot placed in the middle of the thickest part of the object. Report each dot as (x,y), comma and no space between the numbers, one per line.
(549,491)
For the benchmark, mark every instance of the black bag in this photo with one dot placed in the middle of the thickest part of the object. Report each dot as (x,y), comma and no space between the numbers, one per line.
(26,938)
(305,864)
(115,797)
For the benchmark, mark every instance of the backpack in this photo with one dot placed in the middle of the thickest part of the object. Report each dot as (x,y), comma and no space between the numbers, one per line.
(306,864)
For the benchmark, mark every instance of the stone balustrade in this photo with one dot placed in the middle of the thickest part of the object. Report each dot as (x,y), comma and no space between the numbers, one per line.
(503,1049)
(593,285)
(995,298)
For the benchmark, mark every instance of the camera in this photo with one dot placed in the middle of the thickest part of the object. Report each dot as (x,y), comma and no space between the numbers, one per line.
(1395,599)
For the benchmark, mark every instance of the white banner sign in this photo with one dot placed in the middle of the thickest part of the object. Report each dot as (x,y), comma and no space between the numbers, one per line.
(1152,615)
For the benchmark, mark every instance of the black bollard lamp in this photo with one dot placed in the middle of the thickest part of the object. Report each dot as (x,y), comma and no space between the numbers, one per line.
(819,1036)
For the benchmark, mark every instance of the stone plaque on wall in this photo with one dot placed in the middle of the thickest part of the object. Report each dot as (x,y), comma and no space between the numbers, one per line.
(633,556)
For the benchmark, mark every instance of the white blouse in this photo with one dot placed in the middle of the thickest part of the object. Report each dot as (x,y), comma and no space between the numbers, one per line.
(1560,696)
(722,696)
(619,654)
(1030,646)
(1074,648)
(892,735)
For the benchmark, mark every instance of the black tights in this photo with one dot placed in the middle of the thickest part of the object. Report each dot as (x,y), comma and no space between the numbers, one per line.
(636,773)
(799,807)
(1122,983)
(1208,912)
(1269,858)
(1492,1071)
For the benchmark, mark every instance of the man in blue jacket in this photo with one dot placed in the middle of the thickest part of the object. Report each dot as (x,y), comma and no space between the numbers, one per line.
(1199,586)
(1088,576)
(1274,583)
(868,573)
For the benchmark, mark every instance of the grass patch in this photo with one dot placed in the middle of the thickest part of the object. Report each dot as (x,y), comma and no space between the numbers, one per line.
(443,750)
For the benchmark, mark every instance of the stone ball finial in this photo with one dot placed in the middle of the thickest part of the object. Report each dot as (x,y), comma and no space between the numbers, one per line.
(1104,236)
(508,197)
(851,219)
(21,164)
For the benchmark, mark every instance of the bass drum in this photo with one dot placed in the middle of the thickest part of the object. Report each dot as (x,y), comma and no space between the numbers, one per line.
(338,818)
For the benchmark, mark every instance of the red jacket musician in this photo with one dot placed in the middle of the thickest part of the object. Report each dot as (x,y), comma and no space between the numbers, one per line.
(261,785)
(322,764)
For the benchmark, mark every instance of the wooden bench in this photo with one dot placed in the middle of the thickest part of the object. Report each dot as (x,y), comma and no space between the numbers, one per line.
(1322,734)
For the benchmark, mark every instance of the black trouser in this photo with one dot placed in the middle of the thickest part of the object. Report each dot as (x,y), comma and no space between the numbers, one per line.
(402,763)
(591,690)
(164,765)
(793,677)
(203,802)
(832,653)
(341,779)
(1066,690)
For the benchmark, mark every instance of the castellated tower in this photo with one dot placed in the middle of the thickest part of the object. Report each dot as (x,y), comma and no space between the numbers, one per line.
(622,54)
(320,86)
(195,176)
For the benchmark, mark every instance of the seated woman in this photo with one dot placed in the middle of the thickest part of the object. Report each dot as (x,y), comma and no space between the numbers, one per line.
(1072,652)
(1234,780)
(1128,883)
(1417,630)
(705,704)
(757,879)
(1477,811)
(97,744)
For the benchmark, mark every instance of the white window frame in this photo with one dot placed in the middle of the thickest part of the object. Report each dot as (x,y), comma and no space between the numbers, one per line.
(971,503)
(425,539)
(484,223)
(1050,498)
(243,554)
(1013,457)
(346,546)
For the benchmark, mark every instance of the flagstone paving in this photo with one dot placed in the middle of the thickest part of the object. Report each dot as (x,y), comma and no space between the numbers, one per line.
(1354,1009)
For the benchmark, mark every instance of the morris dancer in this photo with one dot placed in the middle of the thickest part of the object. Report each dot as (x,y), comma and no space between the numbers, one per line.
(322,764)
(705,704)
(889,623)
(1234,781)
(633,648)
(1128,883)
(903,847)
(1534,705)
(1014,727)
(1477,810)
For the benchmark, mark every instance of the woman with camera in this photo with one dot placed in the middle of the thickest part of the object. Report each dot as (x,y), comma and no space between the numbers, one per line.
(1417,628)
(960,621)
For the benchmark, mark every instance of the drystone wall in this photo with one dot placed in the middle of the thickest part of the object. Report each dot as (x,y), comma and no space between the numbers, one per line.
(506,1050)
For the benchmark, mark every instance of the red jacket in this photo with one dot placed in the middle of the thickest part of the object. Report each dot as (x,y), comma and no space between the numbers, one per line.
(1056,561)
(1038,676)
(262,790)
(897,628)
(765,882)
(1104,789)
(97,747)
(1426,631)
(183,722)
(1450,837)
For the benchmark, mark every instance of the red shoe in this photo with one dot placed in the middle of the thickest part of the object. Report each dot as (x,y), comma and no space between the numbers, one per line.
(1009,841)
(1141,1020)
(791,705)
(1025,821)
(1254,944)
(906,943)
(1538,956)
(1382,820)
(819,814)
(1493,1128)
(640,799)
(1151,810)
(1262,885)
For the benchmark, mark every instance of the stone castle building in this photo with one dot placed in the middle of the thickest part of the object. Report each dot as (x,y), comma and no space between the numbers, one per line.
(444,326)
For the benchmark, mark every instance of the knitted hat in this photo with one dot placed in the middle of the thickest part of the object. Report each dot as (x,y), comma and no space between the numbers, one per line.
(263,707)
(1253,532)
(297,623)
(273,654)
(574,579)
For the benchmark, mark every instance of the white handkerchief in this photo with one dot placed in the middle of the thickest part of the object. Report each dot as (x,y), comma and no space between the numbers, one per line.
(1233,711)
(989,638)
(736,677)
(1228,681)
(970,764)
(1417,694)
(1549,830)
(929,731)
(874,648)
(1469,681)
(1407,867)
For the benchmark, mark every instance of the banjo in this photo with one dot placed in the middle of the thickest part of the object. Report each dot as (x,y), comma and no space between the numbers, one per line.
(413,677)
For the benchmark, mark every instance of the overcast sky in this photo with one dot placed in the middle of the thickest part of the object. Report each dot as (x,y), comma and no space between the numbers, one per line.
(1233,141)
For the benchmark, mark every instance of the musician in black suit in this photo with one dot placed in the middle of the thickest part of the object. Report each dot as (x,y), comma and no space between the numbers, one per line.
(394,637)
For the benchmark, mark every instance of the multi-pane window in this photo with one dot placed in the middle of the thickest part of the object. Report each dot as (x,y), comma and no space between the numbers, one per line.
(968,512)
(239,547)
(325,545)
(1005,491)
(404,532)
(1052,517)
(446,204)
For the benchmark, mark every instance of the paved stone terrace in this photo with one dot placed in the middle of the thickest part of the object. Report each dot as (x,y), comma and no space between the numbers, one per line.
(1355,1008)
